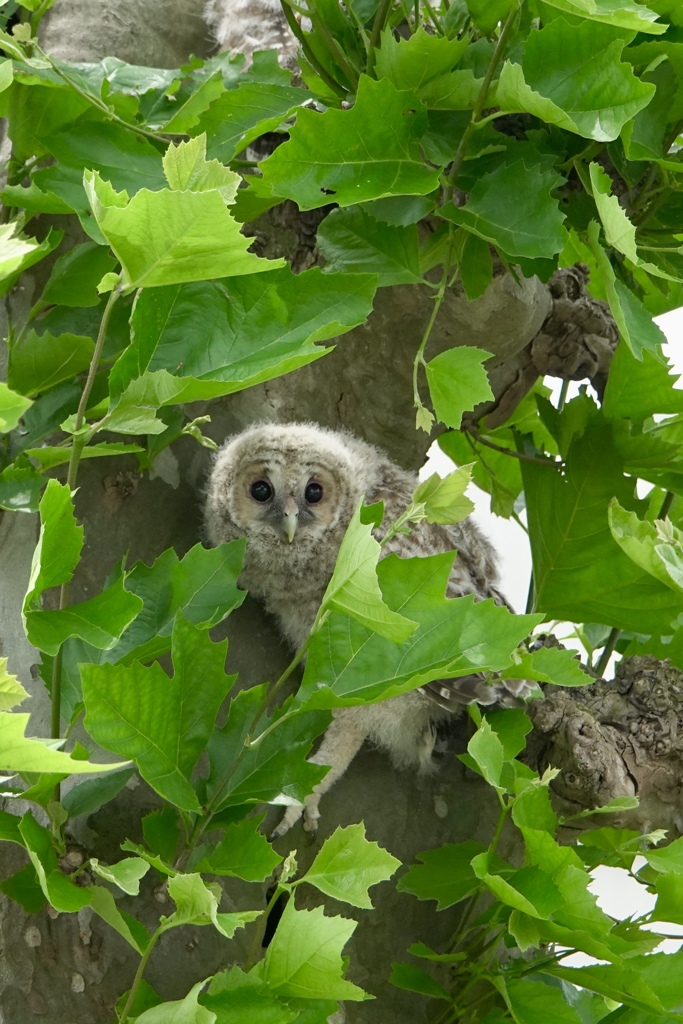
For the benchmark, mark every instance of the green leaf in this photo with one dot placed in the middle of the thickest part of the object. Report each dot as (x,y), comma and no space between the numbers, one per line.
(179,1011)
(444,497)
(353,240)
(580,572)
(238,997)
(89,796)
(221,337)
(160,829)
(103,903)
(40,361)
(347,662)
(170,237)
(187,169)
(23,888)
(352,156)
(512,207)
(241,115)
(100,621)
(411,63)
(532,1002)
(20,486)
(125,874)
(348,864)
(487,752)
(414,979)
(445,874)
(457,382)
(654,547)
(637,389)
(304,958)
(59,545)
(549,665)
(197,903)
(243,853)
(11,690)
(12,408)
(49,457)
(627,14)
(162,724)
(669,859)
(528,890)
(18,253)
(59,891)
(354,589)
(75,276)
(619,231)
(272,769)
(571,76)
(20,753)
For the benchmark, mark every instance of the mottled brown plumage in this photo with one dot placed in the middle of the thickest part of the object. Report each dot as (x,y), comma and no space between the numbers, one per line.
(260,488)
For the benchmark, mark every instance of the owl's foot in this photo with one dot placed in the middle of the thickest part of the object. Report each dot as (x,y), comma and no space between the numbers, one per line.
(310,814)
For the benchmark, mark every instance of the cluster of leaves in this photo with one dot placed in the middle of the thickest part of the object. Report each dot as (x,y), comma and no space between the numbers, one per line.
(544,129)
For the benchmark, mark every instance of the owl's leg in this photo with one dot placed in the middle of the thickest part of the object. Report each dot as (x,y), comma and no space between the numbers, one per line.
(341,743)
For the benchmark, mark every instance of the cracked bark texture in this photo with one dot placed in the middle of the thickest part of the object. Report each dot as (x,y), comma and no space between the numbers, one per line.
(67,969)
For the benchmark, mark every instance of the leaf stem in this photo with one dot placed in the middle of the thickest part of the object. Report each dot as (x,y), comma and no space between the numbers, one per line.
(563,395)
(261,926)
(308,52)
(607,652)
(375,36)
(419,355)
(666,505)
(333,47)
(78,444)
(508,451)
(480,103)
(139,973)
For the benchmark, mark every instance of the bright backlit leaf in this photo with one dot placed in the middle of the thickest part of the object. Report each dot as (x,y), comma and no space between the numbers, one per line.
(457,382)
(348,864)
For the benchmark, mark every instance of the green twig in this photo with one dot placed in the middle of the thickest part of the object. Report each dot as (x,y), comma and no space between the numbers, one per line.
(607,652)
(77,446)
(37,16)
(376,34)
(335,51)
(139,973)
(438,302)
(261,927)
(522,456)
(308,52)
(480,103)
(666,505)
(563,395)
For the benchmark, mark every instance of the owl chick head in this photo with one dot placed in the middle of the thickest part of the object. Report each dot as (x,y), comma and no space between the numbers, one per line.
(282,486)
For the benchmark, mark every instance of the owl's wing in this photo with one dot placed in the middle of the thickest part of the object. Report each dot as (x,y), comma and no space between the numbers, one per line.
(454,694)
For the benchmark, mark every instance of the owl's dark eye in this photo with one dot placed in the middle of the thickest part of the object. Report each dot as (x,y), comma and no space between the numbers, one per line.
(261,491)
(313,493)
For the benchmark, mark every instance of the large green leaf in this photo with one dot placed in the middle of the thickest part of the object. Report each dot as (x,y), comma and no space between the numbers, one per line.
(238,997)
(348,663)
(179,1011)
(41,361)
(445,874)
(304,959)
(411,63)
(348,864)
(59,545)
(580,573)
(270,769)
(221,337)
(457,382)
(75,276)
(239,116)
(637,389)
(512,207)
(12,408)
(197,903)
(162,724)
(532,1002)
(629,14)
(354,589)
(243,852)
(11,690)
(571,76)
(21,753)
(99,621)
(353,240)
(170,237)
(351,156)
(655,547)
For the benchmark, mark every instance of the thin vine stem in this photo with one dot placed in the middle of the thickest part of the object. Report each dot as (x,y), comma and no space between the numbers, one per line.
(438,302)
(480,103)
(78,444)
(139,973)
(377,26)
(308,52)
(522,456)
(608,651)
(99,105)
(261,927)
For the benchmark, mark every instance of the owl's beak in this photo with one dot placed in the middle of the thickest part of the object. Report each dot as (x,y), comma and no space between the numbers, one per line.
(290,519)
